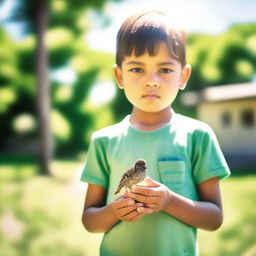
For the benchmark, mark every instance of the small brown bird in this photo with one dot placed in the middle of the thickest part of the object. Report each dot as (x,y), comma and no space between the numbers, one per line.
(133,175)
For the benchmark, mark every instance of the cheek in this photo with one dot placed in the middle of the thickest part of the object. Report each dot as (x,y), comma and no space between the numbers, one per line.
(129,91)
(174,79)
(134,80)
(170,93)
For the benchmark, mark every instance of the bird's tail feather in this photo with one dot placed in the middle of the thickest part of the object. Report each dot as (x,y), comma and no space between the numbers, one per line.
(118,190)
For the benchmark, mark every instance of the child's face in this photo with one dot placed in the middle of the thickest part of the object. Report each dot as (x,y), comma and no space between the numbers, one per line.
(151,83)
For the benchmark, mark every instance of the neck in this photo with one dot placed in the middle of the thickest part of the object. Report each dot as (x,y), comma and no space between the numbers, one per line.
(147,121)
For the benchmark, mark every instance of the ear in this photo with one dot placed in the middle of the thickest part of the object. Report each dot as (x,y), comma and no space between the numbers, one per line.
(118,76)
(185,74)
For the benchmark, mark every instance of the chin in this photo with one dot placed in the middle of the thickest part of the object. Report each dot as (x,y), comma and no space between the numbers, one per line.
(152,110)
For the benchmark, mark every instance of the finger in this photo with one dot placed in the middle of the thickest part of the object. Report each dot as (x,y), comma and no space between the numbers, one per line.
(142,190)
(151,183)
(145,210)
(125,203)
(139,205)
(147,191)
(130,216)
(139,215)
(126,210)
(144,199)
(126,194)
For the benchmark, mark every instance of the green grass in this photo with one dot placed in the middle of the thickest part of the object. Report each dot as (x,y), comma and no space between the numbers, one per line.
(41,215)
(44,214)
(236,237)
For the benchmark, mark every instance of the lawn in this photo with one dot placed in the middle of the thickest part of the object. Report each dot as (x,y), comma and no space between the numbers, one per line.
(42,215)
(237,235)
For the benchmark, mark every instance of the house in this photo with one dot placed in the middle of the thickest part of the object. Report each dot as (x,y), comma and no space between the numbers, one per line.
(231,111)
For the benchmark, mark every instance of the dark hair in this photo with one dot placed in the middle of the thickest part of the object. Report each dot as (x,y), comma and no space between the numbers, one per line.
(144,32)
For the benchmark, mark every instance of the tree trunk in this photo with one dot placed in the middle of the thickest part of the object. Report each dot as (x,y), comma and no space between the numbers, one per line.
(43,101)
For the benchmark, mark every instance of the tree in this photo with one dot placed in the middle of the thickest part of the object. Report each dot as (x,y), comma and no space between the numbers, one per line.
(36,13)
(216,59)
(43,101)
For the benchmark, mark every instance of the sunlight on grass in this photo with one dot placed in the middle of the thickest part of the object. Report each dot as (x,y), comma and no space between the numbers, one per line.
(49,211)
(20,171)
(65,170)
(237,235)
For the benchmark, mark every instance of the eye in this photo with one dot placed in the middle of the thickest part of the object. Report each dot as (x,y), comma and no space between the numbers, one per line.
(136,70)
(166,70)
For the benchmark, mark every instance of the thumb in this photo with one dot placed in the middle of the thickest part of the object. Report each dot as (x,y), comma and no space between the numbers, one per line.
(150,182)
(126,194)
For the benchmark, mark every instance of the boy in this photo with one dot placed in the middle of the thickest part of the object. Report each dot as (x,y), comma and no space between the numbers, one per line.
(183,157)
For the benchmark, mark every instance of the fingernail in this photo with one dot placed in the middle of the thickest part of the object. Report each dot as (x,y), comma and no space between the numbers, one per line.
(139,210)
(131,202)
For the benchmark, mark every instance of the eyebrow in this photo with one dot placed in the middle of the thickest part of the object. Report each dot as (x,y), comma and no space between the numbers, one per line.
(159,64)
(167,63)
(135,63)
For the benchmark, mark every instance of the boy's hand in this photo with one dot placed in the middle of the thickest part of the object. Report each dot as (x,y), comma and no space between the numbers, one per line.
(154,197)
(125,208)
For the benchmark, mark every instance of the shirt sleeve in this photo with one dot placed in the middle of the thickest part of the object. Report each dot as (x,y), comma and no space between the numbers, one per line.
(96,170)
(208,160)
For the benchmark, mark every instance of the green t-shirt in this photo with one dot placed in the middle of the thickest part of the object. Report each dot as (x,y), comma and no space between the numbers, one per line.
(179,155)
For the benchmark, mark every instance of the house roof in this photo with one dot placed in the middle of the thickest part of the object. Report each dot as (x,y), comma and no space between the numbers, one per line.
(220,93)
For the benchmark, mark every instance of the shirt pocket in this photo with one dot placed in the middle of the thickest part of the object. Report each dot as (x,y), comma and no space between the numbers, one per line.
(172,172)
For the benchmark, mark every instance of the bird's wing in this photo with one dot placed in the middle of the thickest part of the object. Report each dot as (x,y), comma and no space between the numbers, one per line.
(126,177)
(125,180)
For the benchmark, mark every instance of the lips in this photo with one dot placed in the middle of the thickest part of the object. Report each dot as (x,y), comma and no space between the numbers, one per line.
(151,96)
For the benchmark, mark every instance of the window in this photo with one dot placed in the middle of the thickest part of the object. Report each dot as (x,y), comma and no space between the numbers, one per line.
(247,118)
(226,119)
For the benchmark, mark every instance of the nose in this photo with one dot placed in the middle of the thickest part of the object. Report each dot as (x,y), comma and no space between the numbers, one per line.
(152,84)
(153,81)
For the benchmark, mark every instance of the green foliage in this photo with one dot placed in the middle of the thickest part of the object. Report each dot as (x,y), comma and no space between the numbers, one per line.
(222,59)
(216,59)
(80,121)
(58,41)
(26,56)
(8,59)
(120,105)
(66,48)
(15,95)
(227,58)
(7,98)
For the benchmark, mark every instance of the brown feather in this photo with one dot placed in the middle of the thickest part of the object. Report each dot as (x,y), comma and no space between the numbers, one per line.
(133,176)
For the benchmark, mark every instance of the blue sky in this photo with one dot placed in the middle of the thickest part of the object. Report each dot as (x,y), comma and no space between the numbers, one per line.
(205,16)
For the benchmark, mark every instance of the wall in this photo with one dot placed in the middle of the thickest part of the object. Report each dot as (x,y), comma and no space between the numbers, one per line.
(236,139)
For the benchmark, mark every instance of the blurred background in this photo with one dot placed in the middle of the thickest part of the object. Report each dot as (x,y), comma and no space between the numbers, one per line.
(57,87)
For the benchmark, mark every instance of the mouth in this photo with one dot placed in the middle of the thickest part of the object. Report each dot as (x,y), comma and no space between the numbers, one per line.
(150,97)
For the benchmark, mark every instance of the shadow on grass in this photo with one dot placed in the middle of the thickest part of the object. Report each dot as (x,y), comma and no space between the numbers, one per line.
(7,159)
(243,172)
